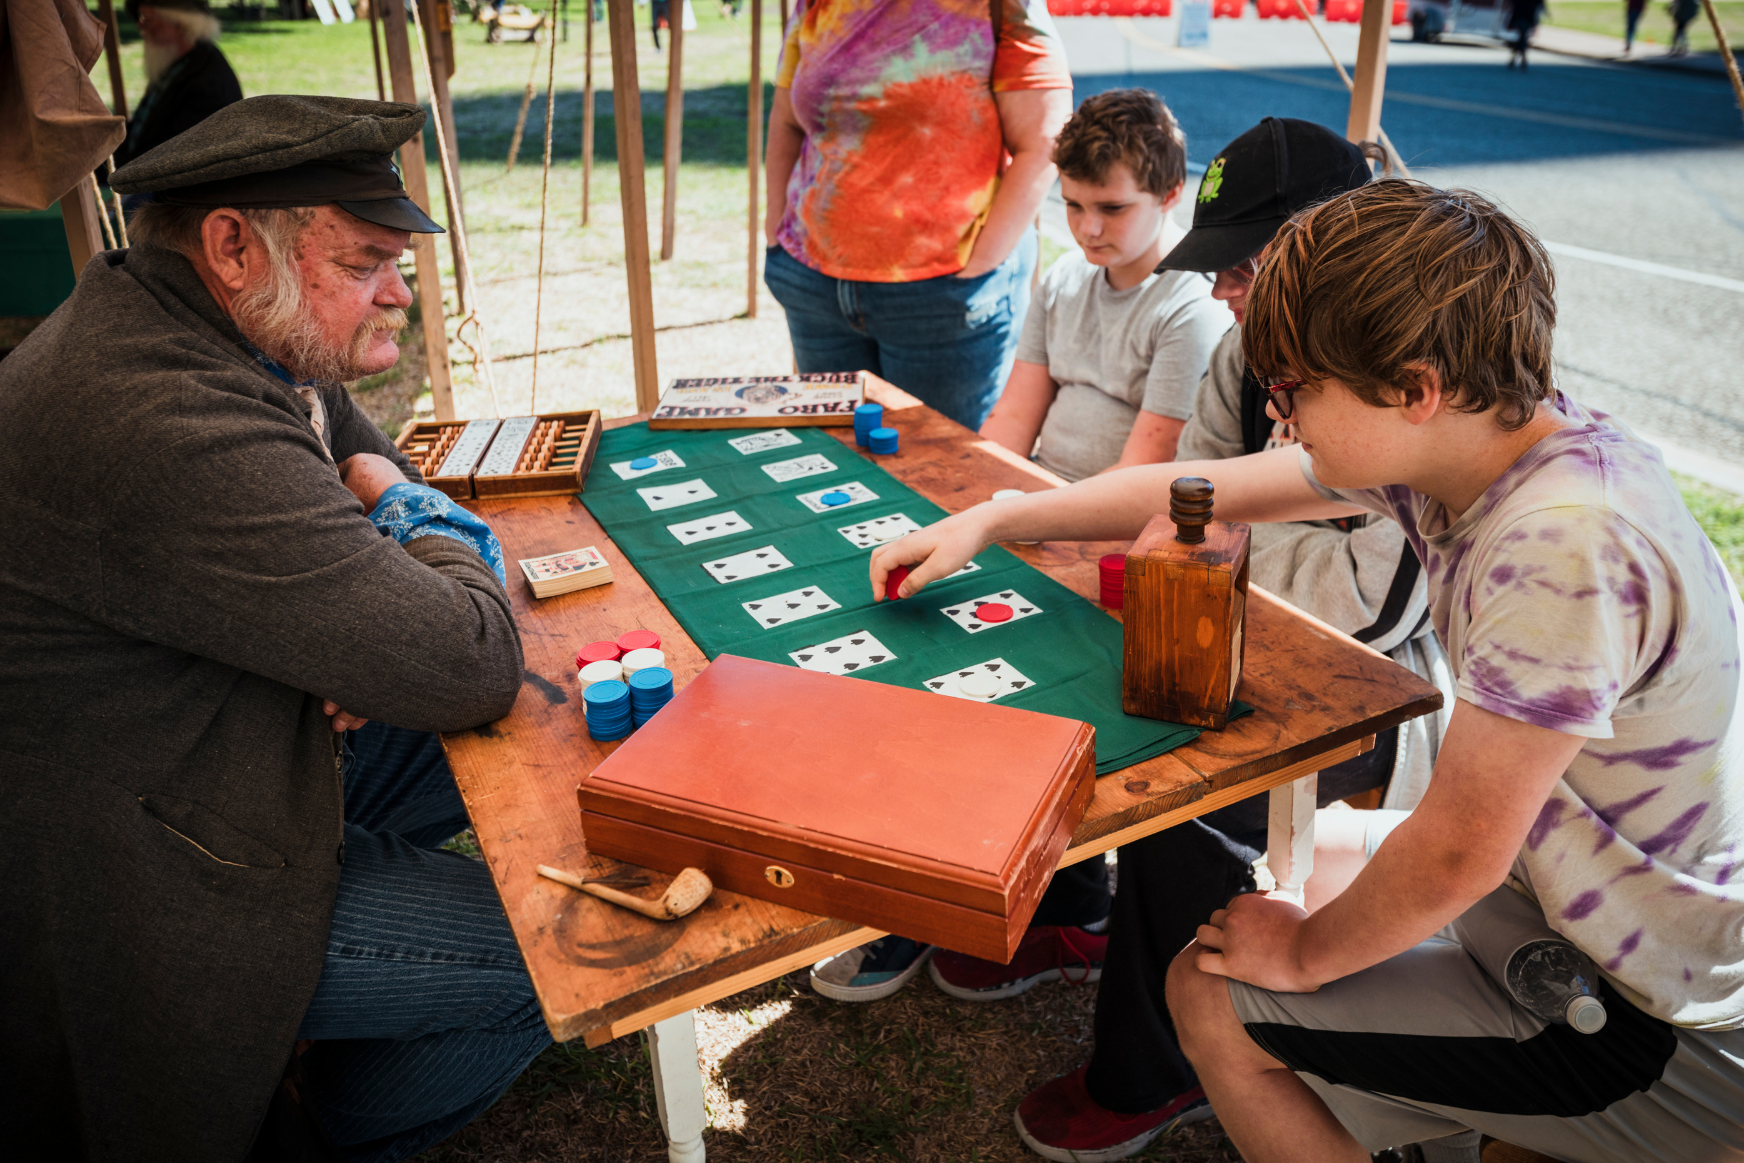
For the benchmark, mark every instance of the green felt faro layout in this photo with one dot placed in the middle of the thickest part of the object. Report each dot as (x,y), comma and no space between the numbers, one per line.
(758,544)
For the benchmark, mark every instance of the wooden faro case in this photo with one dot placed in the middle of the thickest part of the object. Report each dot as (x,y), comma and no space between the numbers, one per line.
(936,818)
(1185,604)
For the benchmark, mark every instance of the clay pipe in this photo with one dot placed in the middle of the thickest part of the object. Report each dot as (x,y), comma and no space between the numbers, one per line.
(686,892)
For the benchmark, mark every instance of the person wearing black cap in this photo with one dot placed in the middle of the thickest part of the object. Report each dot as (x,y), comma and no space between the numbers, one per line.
(1137,1083)
(234,615)
(187,77)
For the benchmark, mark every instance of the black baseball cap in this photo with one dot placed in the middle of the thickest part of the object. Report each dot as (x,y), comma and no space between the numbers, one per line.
(1278,167)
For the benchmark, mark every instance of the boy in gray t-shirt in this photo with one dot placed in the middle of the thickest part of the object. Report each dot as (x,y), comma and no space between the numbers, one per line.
(1112,353)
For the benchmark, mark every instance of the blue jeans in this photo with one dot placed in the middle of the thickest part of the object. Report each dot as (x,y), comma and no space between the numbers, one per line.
(424,1013)
(947,340)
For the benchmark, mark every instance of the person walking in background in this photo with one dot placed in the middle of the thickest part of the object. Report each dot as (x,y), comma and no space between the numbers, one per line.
(909,150)
(1632,10)
(1682,12)
(1523,22)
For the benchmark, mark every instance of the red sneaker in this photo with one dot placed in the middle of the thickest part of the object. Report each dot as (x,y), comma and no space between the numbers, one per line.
(1059,1120)
(1046,953)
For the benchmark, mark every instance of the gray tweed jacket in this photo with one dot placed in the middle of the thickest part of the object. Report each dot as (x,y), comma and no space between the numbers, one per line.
(183,580)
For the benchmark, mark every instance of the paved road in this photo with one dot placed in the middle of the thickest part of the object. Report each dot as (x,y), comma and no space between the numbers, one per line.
(1634,175)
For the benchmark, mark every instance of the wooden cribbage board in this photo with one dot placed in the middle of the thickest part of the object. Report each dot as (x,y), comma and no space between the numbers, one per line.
(524,456)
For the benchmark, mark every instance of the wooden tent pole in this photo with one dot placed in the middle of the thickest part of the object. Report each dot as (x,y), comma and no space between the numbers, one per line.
(632,194)
(399,46)
(112,50)
(79,214)
(1371,73)
(754,159)
(1726,53)
(431,12)
(587,110)
(381,89)
(674,129)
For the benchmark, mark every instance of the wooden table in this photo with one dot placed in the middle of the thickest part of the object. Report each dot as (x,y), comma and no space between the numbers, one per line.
(602,971)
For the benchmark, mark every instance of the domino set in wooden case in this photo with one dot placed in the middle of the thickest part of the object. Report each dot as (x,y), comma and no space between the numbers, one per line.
(520,456)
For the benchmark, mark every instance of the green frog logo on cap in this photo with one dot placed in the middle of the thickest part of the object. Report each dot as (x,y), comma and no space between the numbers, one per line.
(1212,183)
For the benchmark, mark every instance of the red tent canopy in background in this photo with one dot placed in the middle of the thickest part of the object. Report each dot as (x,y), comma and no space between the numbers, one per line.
(1108,7)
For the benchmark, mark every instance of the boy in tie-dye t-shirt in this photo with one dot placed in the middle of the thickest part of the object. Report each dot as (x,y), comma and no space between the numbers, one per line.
(1593,765)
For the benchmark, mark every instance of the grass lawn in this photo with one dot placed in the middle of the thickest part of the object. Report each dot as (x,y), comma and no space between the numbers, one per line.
(1607,17)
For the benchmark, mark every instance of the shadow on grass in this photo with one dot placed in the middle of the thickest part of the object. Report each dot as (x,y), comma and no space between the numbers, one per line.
(714,126)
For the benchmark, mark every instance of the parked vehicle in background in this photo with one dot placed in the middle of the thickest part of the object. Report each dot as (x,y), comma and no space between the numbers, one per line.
(1433,19)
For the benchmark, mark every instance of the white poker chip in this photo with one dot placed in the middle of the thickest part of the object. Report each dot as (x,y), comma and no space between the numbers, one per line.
(1007,494)
(980,686)
(604,670)
(641,660)
(886,534)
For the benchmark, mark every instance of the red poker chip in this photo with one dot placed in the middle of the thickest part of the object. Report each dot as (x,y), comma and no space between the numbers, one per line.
(993,612)
(597,652)
(1112,563)
(638,640)
(893,582)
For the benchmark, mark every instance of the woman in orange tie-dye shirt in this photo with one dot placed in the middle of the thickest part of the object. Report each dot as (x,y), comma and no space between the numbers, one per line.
(909,148)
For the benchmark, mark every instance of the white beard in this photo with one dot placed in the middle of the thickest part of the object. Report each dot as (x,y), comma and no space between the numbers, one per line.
(158,59)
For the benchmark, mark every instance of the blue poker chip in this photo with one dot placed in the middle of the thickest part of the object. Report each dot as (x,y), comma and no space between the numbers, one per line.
(834,499)
(642,462)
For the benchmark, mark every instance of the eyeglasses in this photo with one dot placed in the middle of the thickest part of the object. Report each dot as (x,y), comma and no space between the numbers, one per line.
(1283,397)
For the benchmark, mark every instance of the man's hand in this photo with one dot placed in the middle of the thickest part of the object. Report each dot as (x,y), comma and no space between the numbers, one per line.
(1258,940)
(937,551)
(341,720)
(368,476)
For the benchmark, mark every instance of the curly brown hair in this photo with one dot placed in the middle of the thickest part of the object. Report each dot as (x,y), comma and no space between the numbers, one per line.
(1397,273)
(1124,125)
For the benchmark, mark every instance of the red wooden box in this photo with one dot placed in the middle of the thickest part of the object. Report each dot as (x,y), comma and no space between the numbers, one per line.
(932,817)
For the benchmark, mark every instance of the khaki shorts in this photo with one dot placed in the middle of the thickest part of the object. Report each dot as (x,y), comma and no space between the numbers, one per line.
(1427,1045)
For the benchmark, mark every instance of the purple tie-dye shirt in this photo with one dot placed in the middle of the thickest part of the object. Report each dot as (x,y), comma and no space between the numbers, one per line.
(1579,594)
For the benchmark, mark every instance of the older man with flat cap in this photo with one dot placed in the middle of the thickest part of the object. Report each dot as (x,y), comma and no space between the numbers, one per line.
(233,616)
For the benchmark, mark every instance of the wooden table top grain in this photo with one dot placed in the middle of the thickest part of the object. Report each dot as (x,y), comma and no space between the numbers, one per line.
(602,971)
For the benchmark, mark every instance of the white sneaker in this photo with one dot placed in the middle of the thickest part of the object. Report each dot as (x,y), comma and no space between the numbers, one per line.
(871,971)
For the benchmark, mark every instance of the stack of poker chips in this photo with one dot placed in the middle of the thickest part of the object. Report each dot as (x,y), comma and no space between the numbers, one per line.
(881,441)
(866,418)
(1112,567)
(608,710)
(638,640)
(650,689)
(646,658)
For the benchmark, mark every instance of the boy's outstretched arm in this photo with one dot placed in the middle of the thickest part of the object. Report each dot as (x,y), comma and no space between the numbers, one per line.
(1266,486)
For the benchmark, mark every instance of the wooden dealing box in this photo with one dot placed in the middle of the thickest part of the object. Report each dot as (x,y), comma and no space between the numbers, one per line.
(1185,606)
(521,456)
(932,817)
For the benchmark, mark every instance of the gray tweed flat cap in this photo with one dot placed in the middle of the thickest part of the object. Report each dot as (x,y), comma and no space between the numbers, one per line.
(287,151)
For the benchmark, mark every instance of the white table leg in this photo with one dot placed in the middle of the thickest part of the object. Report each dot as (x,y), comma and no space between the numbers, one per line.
(1290,834)
(678,1086)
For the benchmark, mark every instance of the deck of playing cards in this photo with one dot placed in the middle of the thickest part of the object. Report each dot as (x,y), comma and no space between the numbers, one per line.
(562,573)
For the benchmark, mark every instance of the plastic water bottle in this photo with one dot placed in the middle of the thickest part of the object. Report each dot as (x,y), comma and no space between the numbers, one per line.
(1559,983)
(1506,934)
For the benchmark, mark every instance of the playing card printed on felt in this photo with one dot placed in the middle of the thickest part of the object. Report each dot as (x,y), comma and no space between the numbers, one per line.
(790,607)
(878,530)
(800,466)
(848,654)
(751,563)
(985,682)
(963,613)
(559,565)
(666,457)
(857,493)
(708,528)
(660,497)
(754,442)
